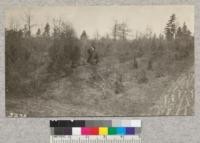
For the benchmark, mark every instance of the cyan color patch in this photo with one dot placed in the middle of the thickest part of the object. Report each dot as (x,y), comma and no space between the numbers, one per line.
(121,131)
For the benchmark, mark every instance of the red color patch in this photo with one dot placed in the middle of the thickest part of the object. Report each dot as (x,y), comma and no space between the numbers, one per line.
(94,131)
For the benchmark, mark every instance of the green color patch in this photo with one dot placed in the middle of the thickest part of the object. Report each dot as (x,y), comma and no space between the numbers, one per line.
(112,131)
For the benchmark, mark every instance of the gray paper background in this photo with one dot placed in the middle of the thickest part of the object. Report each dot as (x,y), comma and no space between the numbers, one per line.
(155,129)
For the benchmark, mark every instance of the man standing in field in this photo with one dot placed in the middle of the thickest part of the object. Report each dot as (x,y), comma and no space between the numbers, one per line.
(93,60)
(93,57)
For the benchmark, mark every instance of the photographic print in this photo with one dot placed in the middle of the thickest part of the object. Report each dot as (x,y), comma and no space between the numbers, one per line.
(99,61)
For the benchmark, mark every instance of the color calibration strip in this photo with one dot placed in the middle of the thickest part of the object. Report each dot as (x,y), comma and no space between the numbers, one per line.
(95,131)
(94,127)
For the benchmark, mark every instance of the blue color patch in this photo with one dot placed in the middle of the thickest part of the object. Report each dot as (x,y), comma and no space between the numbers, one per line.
(130,131)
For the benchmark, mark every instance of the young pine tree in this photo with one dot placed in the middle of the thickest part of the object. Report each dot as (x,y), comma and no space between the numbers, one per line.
(84,36)
(46,30)
(170,28)
(38,32)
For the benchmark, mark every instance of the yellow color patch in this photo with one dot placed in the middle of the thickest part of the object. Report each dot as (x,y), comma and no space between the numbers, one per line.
(103,131)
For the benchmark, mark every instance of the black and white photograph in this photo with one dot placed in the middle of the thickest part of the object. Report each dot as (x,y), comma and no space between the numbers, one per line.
(99,61)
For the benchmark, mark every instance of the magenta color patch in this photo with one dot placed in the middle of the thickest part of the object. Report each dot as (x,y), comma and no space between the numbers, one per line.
(85,131)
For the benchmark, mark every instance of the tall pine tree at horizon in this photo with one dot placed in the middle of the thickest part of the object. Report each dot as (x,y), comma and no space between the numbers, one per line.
(170,29)
(46,30)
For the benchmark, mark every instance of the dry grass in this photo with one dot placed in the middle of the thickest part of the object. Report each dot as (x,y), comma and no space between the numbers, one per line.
(81,95)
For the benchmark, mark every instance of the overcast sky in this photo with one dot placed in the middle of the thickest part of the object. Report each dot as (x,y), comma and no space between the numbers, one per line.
(101,18)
